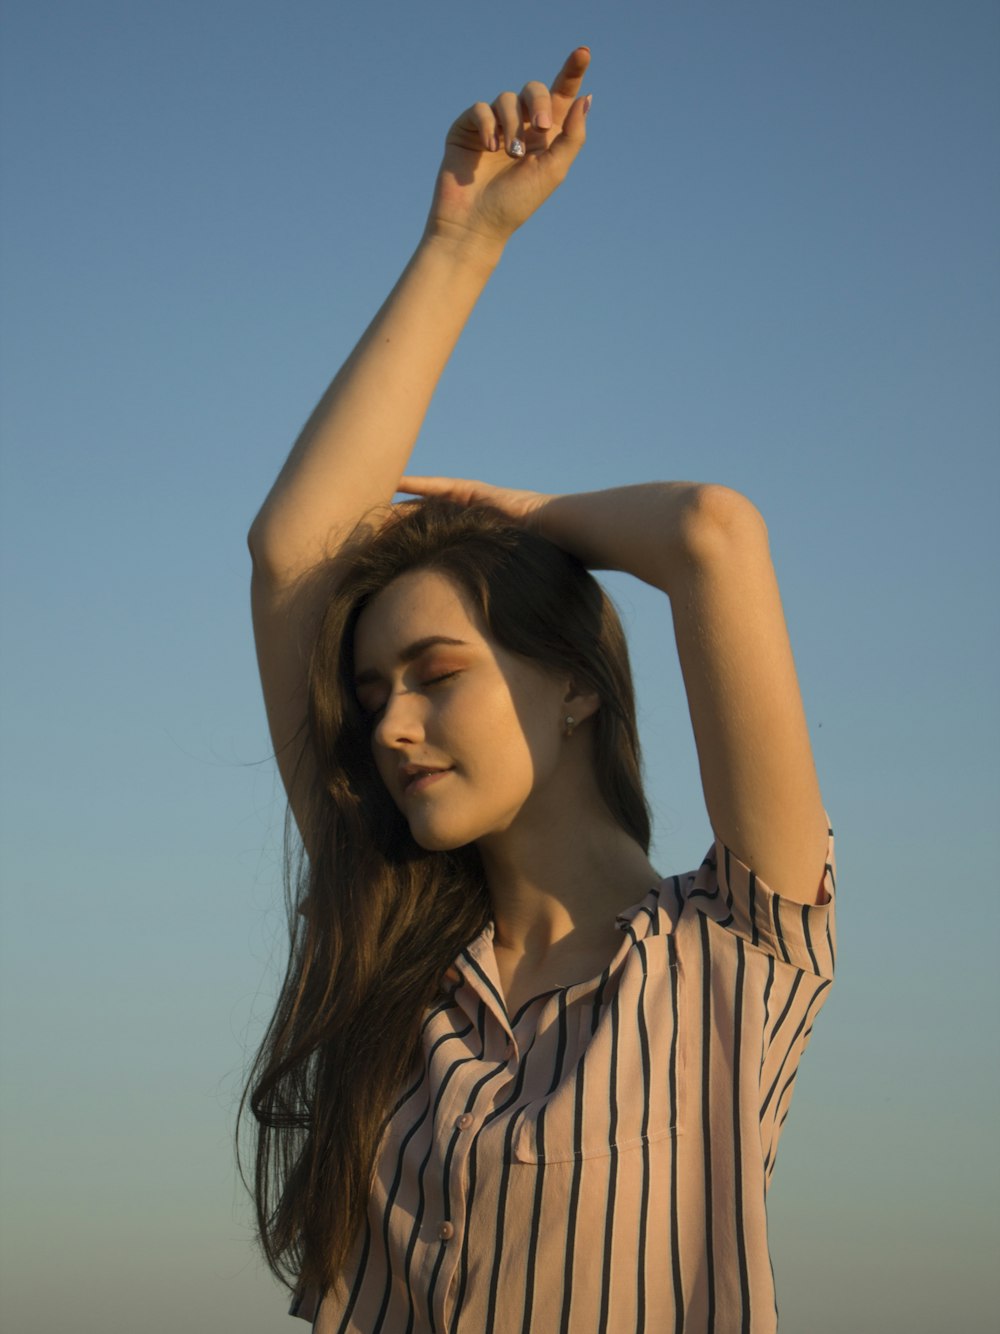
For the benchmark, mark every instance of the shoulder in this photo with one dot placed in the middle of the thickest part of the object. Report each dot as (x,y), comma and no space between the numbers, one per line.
(727,893)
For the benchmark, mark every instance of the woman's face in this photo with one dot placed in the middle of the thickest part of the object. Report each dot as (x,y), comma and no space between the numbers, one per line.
(487,720)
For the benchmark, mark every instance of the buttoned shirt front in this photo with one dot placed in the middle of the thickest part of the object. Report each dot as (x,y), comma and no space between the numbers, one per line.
(598,1162)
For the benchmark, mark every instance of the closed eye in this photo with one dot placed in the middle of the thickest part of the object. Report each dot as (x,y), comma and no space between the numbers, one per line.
(372,715)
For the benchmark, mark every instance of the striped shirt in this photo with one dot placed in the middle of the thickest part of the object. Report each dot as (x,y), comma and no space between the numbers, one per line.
(598,1163)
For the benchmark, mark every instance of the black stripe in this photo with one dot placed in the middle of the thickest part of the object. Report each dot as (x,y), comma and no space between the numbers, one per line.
(696,893)
(767,1010)
(609,1209)
(575,1193)
(359,1280)
(709,863)
(498,1226)
(776,913)
(741,1244)
(675,1246)
(387,1216)
(463,1264)
(418,1220)
(678,896)
(796,983)
(647,1089)
(536,1232)
(501,1111)
(774,1160)
(563,1056)
(754,933)
(808,938)
(486,981)
(706,1105)
(487,1077)
(784,1089)
(794,1038)
(728,886)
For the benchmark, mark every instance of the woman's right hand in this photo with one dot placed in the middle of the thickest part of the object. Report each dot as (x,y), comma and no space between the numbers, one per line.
(483,193)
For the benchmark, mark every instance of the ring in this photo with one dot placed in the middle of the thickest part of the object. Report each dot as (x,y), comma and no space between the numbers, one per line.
(516,148)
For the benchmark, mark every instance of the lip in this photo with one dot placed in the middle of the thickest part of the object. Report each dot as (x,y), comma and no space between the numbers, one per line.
(424,781)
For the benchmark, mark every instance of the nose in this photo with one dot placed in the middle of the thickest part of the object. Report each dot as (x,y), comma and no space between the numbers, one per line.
(401,724)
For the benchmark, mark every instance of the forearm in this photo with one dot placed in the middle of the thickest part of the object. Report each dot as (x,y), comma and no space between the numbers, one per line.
(655,531)
(354,448)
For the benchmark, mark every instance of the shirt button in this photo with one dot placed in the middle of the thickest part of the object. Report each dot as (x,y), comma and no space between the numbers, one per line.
(464,1121)
(446,1231)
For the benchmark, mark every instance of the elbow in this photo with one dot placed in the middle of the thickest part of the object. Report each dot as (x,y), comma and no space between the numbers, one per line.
(718,517)
(255,542)
(263,553)
(255,536)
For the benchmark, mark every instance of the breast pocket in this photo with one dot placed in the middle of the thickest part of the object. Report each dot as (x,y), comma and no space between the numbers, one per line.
(623,1086)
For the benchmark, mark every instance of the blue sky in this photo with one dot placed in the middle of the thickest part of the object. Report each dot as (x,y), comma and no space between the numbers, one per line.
(775,265)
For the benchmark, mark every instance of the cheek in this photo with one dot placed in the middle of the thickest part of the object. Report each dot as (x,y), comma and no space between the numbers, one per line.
(504,744)
(386,765)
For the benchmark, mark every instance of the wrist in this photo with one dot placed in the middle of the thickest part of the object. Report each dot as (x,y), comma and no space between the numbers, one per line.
(463,245)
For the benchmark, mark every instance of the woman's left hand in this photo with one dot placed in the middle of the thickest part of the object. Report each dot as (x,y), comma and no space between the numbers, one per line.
(486,193)
(522,506)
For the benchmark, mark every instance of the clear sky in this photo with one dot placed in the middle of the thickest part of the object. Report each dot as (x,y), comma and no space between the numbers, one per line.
(775,265)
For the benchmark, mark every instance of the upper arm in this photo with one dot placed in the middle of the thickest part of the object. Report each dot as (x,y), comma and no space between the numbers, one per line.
(756,761)
(285,617)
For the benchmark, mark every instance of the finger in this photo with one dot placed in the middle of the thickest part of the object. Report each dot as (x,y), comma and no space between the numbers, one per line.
(567,82)
(429,486)
(537,103)
(458,489)
(486,124)
(566,145)
(511,119)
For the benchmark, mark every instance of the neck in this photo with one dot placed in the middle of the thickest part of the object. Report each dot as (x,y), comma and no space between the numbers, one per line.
(559,877)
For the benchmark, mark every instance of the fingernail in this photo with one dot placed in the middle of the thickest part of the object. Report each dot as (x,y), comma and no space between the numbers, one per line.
(516,148)
(494,144)
(543,121)
(586,102)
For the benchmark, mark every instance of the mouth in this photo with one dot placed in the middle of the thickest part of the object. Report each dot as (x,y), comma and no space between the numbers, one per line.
(422,781)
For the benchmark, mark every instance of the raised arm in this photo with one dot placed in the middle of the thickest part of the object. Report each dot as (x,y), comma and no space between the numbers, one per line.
(706,547)
(501,161)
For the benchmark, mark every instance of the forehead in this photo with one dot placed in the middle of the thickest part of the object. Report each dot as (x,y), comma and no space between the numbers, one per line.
(422,603)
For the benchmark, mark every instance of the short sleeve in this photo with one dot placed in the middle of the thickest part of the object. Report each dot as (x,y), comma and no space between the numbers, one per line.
(305,1303)
(800,934)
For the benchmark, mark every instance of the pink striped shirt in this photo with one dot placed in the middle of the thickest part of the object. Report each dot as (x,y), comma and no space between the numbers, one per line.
(598,1163)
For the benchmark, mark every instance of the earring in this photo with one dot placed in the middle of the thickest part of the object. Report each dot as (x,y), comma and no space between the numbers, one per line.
(570,724)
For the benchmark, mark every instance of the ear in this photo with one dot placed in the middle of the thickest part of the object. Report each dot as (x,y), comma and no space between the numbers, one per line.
(580,702)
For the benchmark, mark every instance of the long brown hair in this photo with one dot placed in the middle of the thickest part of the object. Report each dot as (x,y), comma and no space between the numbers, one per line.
(376,920)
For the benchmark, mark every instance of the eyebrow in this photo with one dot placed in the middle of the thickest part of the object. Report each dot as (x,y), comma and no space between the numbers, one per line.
(408,654)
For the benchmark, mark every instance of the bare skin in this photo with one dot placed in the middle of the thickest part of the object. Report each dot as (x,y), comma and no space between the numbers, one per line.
(520,785)
(554,882)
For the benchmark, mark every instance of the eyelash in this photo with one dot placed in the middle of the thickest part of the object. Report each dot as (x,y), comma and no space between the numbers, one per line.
(443,677)
(373,716)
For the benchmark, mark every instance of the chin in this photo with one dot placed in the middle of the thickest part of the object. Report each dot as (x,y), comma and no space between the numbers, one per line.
(444,840)
(437,840)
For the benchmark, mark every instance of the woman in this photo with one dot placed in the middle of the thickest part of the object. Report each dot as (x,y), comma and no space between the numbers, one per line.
(517,1079)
